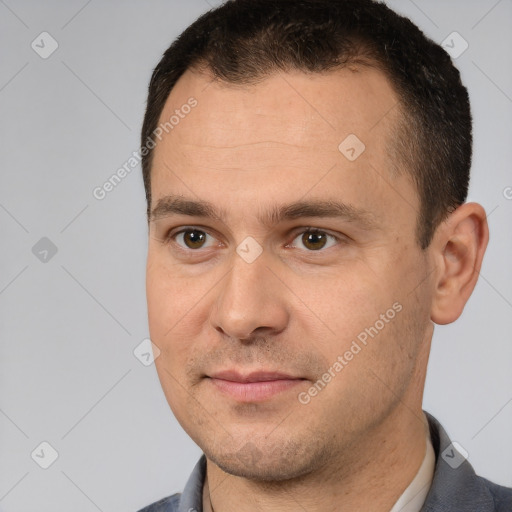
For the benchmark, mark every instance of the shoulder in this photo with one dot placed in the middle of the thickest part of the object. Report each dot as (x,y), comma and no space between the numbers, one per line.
(169,504)
(501,495)
(455,485)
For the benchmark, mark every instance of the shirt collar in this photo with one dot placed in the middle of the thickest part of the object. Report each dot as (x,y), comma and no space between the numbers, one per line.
(192,496)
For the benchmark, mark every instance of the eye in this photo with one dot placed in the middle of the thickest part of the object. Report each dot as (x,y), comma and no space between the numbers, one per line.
(314,239)
(193,239)
(190,238)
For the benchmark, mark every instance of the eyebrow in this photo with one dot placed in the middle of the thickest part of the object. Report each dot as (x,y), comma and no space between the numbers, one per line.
(177,205)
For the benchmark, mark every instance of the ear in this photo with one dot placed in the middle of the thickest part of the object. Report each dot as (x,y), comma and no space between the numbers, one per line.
(458,249)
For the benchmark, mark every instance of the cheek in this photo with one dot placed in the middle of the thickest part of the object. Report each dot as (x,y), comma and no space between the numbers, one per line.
(367,317)
(177,314)
(168,298)
(160,296)
(173,386)
(346,300)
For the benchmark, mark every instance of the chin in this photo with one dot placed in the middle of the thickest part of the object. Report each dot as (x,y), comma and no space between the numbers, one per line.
(267,463)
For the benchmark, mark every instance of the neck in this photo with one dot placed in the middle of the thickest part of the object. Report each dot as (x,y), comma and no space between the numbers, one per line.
(376,472)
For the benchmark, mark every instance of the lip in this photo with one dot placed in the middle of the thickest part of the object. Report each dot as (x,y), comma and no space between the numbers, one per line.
(255,386)
(258,376)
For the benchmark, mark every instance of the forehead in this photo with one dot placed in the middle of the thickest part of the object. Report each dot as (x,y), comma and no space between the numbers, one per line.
(291,107)
(290,133)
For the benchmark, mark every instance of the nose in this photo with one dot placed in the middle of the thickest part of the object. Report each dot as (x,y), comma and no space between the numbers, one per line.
(250,301)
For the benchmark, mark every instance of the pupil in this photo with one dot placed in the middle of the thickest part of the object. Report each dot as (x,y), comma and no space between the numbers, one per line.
(314,238)
(194,238)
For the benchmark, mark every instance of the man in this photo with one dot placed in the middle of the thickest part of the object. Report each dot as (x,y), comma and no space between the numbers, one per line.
(306,166)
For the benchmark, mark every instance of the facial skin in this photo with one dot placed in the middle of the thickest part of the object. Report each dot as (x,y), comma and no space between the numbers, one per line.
(248,150)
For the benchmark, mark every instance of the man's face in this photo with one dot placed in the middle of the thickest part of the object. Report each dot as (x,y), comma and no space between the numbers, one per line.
(355,292)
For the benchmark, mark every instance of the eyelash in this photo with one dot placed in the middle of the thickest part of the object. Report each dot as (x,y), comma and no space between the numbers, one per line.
(170,238)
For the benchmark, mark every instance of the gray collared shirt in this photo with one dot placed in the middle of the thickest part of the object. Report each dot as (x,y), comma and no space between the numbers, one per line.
(455,485)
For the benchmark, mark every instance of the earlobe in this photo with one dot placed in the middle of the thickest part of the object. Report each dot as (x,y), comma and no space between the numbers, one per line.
(460,243)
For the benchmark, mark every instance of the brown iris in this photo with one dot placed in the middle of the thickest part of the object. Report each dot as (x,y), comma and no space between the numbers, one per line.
(314,238)
(194,238)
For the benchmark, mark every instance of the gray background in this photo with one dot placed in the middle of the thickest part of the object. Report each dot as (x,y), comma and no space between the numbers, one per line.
(69,325)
